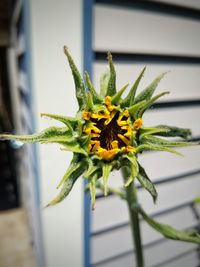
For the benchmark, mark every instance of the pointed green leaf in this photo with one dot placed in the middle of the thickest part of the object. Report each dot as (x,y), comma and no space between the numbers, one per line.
(173,131)
(107,167)
(133,168)
(146,183)
(104,84)
(147,93)
(73,147)
(92,187)
(76,168)
(84,141)
(78,81)
(49,135)
(96,98)
(70,122)
(150,146)
(129,100)
(111,90)
(90,104)
(144,131)
(168,143)
(134,109)
(149,103)
(92,169)
(67,184)
(116,98)
(168,231)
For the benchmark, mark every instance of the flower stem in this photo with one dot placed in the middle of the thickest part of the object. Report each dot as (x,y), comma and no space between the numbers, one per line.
(131,198)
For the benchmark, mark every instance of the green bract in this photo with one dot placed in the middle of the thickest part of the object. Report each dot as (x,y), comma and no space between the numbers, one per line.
(107,132)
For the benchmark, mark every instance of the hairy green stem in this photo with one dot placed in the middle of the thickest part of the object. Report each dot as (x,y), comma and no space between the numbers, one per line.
(131,198)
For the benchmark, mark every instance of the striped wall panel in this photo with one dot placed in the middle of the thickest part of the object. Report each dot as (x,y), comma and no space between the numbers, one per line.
(138,35)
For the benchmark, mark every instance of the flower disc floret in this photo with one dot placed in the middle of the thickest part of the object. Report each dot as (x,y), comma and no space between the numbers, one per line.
(111,130)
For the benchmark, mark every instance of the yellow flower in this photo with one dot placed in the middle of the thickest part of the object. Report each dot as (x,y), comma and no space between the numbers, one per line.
(107,132)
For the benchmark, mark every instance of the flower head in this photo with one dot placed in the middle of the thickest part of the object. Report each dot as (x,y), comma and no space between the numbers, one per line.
(107,132)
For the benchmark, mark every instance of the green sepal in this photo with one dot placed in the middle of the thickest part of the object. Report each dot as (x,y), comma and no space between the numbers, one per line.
(68,183)
(70,122)
(90,104)
(144,131)
(149,103)
(96,98)
(117,97)
(104,84)
(153,147)
(168,143)
(78,81)
(146,183)
(76,166)
(167,230)
(134,168)
(106,169)
(92,187)
(173,131)
(147,93)
(92,169)
(111,90)
(134,109)
(84,141)
(73,147)
(49,135)
(129,100)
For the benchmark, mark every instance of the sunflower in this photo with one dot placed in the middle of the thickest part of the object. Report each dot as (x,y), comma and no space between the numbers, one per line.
(107,133)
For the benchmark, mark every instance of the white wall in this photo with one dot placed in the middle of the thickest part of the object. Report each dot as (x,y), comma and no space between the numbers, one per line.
(129,30)
(54,24)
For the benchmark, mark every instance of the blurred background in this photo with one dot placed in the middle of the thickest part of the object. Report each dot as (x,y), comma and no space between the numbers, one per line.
(163,35)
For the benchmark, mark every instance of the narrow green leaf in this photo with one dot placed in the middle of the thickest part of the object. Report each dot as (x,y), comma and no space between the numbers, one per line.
(173,131)
(168,143)
(144,131)
(90,104)
(67,184)
(73,147)
(111,90)
(146,183)
(133,168)
(150,146)
(92,169)
(78,81)
(96,98)
(149,103)
(129,100)
(134,109)
(92,187)
(116,98)
(168,231)
(104,84)
(70,122)
(147,93)
(76,167)
(49,135)
(84,141)
(107,167)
